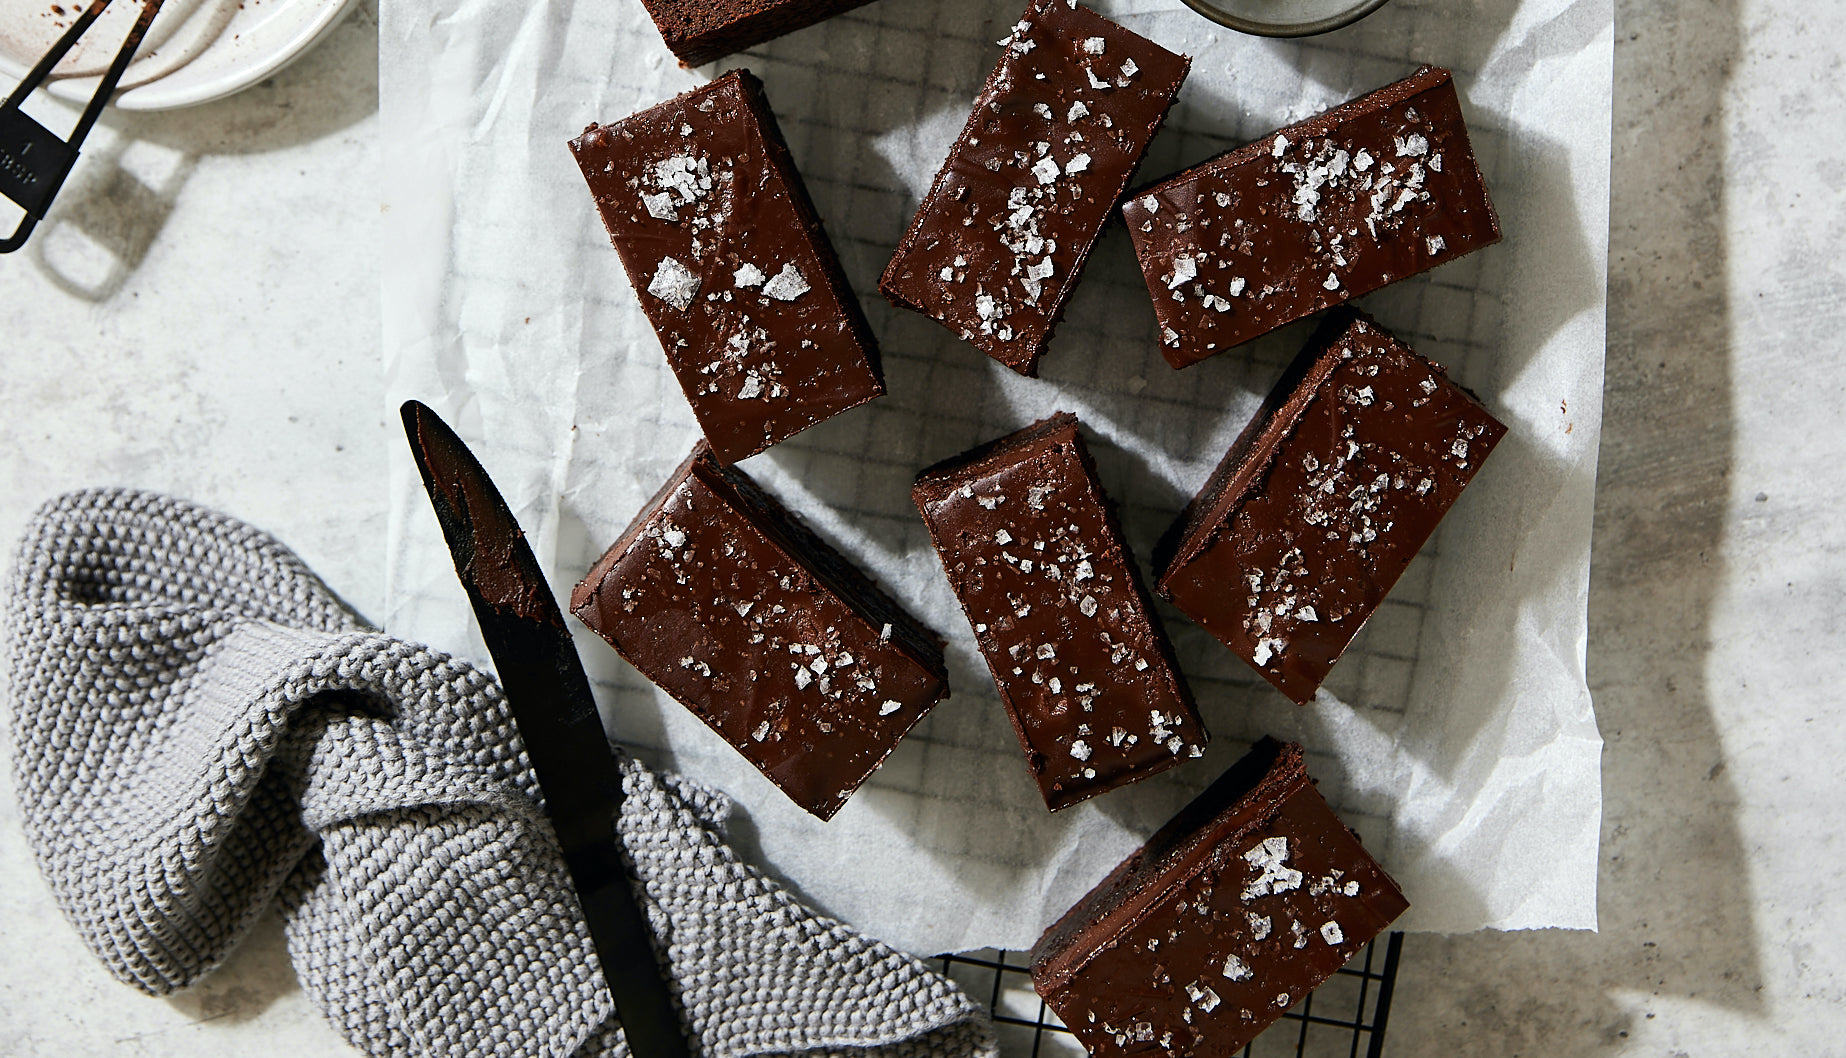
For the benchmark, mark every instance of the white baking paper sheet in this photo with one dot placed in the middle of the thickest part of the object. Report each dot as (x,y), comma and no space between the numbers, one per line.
(1457,735)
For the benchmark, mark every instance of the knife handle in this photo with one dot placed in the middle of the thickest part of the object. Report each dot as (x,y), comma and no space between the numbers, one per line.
(624,947)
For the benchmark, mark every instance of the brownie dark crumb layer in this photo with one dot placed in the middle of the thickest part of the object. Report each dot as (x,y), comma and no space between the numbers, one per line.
(1052,141)
(1312,215)
(1246,901)
(1309,521)
(698,31)
(836,571)
(1033,550)
(728,603)
(731,264)
(1206,500)
(1259,781)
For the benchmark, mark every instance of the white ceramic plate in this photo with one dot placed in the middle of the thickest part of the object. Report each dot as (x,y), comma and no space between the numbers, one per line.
(1285,18)
(213,49)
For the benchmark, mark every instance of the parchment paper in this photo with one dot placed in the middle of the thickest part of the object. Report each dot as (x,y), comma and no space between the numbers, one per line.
(1457,735)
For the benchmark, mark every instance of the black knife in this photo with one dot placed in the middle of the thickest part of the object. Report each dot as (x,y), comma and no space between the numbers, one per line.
(549,696)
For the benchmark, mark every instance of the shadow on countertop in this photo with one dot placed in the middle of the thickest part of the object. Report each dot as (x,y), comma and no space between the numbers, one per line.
(1674,891)
(136,164)
(1674,885)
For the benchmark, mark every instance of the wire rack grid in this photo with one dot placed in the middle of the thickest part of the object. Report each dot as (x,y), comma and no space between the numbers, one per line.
(1346,1015)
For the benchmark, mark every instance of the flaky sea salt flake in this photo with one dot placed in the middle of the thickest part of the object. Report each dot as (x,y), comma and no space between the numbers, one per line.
(674,284)
(1259,925)
(788,284)
(660,206)
(1185,270)
(1270,858)
(1202,996)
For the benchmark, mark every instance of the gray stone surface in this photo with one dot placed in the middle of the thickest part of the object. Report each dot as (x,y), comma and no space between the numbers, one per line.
(200,316)
(1717,589)
(235,348)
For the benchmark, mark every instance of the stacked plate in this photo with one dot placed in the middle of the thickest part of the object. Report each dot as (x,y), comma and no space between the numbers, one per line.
(195,51)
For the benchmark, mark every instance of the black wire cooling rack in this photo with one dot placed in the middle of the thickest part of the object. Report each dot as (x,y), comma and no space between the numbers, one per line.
(1344,1016)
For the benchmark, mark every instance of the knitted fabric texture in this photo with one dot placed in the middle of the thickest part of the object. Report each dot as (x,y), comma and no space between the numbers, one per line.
(201,729)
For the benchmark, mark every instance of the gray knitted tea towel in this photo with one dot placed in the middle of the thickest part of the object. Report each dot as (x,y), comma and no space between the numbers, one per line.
(200,729)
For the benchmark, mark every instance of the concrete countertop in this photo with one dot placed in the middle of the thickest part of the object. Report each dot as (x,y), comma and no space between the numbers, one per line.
(200,316)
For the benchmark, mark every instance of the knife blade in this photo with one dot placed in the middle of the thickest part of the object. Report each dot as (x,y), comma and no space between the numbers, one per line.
(549,697)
